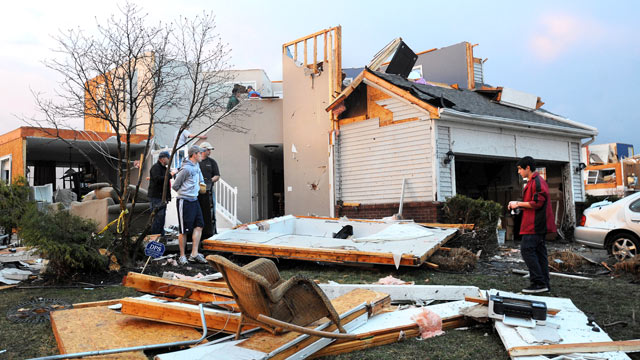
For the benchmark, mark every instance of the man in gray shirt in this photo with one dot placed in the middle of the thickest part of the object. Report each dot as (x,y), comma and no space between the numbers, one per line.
(187,185)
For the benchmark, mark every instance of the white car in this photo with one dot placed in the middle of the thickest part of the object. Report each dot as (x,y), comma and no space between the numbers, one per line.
(614,226)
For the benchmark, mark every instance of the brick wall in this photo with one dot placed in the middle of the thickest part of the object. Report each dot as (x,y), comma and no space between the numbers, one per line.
(426,211)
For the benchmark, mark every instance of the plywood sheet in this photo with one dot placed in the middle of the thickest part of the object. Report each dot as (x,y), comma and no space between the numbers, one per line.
(100,328)
(571,324)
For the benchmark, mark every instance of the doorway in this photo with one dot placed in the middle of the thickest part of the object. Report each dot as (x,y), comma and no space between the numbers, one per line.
(266,166)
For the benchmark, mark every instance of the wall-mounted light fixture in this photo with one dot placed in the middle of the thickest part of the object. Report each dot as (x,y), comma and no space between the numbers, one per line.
(449,158)
(580,167)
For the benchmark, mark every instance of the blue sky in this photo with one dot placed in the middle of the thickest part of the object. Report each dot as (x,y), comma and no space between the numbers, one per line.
(580,57)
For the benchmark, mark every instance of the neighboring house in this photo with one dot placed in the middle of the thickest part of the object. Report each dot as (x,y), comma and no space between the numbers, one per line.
(44,159)
(611,169)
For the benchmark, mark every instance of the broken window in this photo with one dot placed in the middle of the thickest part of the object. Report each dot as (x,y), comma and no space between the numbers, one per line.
(5,169)
(601,176)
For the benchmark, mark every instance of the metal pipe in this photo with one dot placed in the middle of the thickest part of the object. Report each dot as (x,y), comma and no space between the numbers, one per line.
(134,348)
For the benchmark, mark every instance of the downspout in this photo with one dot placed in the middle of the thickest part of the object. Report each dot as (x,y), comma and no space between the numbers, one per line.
(134,348)
(593,138)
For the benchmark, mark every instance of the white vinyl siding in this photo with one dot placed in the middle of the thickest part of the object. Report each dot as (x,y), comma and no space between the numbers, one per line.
(445,175)
(400,109)
(576,178)
(372,161)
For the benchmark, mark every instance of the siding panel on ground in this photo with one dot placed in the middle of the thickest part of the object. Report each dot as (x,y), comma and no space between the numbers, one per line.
(373,160)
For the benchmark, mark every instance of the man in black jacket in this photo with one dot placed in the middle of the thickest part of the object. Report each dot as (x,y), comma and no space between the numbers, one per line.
(211,174)
(156,179)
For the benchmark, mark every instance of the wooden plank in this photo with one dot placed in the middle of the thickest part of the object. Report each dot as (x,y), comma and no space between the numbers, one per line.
(308,37)
(305,52)
(315,54)
(484,301)
(406,292)
(591,347)
(96,303)
(449,226)
(372,78)
(267,342)
(110,330)
(386,336)
(176,288)
(180,314)
(290,252)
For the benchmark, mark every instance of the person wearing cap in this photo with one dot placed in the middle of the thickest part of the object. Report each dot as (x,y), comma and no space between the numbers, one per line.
(211,173)
(190,221)
(156,180)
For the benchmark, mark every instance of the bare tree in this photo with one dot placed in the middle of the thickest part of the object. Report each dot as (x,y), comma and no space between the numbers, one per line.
(135,78)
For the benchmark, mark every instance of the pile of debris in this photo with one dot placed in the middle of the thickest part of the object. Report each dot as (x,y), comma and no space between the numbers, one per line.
(242,307)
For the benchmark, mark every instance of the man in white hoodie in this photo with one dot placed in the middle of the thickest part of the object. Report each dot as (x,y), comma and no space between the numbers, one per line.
(187,185)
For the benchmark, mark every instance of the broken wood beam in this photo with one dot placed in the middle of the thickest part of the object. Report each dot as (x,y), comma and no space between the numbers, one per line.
(175,288)
(96,303)
(181,314)
(485,301)
(592,347)
(453,226)
(386,336)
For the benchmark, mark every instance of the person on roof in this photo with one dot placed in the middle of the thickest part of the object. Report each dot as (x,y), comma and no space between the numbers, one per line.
(251,93)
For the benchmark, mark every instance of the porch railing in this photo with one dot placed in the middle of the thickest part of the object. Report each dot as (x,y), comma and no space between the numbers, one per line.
(227,201)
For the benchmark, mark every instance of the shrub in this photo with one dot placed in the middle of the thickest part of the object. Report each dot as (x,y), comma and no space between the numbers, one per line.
(66,240)
(483,213)
(14,199)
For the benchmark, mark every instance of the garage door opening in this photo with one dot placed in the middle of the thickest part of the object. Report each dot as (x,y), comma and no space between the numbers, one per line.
(497,179)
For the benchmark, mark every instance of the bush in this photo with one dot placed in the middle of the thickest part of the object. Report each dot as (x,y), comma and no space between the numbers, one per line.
(464,210)
(14,199)
(66,240)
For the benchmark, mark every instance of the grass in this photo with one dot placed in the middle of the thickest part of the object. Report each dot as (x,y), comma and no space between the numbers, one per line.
(606,299)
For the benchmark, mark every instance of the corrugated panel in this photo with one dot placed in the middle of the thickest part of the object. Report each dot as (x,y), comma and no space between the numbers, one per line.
(576,178)
(445,178)
(373,160)
(478,77)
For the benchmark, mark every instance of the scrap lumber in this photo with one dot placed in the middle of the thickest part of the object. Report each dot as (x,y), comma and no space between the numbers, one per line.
(395,326)
(96,303)
(176,288)
(309,254)
(591,347)
(485,301)
(263,344)
(110,330)
(413,293)
(173,312)
(455,226)
(569,326)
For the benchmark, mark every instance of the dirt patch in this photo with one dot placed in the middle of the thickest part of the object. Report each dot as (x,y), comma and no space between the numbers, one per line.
(456,259)
(484,239)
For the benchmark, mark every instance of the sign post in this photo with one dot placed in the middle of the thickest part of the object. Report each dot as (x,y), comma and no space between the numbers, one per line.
(154,250)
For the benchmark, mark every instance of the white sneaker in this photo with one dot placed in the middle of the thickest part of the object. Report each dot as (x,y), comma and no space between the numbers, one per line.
(182,260)
(199,258)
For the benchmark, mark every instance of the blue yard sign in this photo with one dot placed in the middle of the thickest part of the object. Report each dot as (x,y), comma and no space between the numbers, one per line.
(154,249)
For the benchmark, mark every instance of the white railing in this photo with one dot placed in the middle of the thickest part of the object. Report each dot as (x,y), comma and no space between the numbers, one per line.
(227,201)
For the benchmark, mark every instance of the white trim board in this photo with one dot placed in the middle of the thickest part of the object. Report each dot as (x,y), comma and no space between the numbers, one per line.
(406,292)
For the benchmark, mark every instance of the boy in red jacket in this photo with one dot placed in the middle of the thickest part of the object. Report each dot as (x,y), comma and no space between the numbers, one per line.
(537,222)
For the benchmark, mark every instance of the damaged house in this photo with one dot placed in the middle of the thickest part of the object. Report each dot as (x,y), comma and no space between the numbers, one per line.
(447,133)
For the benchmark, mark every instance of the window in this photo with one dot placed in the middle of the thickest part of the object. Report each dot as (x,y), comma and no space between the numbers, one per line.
(635,206)
(601,176)
(5,169)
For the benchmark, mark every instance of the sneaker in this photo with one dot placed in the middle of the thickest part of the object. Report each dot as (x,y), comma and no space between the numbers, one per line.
(535,288)
(198,258)
(182,260)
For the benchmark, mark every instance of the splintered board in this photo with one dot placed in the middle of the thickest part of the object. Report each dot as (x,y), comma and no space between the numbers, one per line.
(263,345)
(173,312)
(311,239)
(100,328)
(178,288)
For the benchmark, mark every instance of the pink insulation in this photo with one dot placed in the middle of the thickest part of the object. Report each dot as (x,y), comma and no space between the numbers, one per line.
(429,322)
(390,280)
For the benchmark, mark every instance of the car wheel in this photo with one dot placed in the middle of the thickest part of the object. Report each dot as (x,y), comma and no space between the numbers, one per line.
(624,246)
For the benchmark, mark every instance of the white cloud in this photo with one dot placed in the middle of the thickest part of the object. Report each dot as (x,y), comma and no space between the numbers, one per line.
(558,34)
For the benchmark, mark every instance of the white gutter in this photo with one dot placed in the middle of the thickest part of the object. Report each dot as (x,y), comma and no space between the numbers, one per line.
(566,121)
(513,124)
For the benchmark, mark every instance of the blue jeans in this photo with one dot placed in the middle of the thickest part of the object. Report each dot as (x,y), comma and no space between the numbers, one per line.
(534,252)
(158,222)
